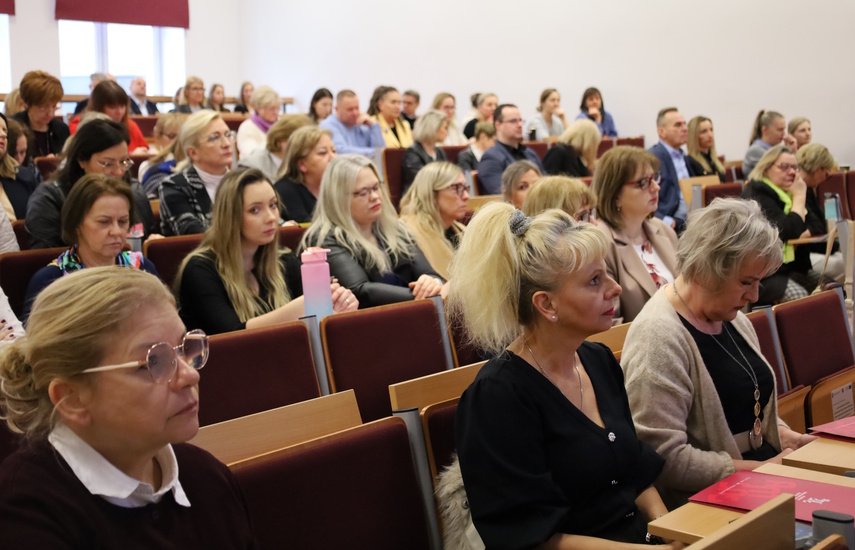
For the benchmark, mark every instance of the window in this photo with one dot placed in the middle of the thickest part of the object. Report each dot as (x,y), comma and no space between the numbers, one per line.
(5,56)
(126,51)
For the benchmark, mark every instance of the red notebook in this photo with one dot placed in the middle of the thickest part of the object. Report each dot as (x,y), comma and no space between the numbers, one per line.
(843,428)
(745,491)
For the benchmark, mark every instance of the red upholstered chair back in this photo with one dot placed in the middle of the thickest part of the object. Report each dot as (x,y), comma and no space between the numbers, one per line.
(465,353)
(438,426)
(289,236)
(393,162)
(768,339)
(233,122)
(539,147)
(605,145)
(814,338)
(16,270)
(453,151)
(255,370)
(637,141)
(47,165)
(355,489)
(167,254)
(21,234)
(836,183)
(146,124)
(737,172)
(369,349)
(723,190)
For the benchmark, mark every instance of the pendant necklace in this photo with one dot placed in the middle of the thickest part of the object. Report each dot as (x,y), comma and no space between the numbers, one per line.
(575,365)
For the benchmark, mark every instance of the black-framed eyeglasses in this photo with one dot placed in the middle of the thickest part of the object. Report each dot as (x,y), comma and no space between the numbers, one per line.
(646,181)
(217,136)
(459,189)
(161,359)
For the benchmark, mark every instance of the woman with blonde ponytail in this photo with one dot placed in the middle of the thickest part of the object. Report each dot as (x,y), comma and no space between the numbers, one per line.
(546,426)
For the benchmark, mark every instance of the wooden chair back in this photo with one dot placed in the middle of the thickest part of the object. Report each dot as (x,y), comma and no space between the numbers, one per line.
(433,388)
(769,527)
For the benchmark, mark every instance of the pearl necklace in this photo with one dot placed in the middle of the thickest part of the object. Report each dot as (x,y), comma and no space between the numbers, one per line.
(575,365)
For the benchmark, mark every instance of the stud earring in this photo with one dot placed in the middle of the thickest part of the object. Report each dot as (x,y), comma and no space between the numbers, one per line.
(554,318)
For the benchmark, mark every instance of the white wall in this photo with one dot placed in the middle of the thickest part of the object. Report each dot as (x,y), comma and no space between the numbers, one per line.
(725,59)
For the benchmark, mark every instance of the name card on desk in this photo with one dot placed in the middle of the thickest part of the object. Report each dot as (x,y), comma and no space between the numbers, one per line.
(842,405)
(749,490)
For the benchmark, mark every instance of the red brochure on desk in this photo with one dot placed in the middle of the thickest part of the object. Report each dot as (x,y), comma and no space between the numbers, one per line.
(839,429)
(745,491)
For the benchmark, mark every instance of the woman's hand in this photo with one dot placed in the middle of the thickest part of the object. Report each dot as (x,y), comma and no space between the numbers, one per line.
(425,287)
(7,333)
(799,186)
(791,142)
(793,440)
(743,465)
(596,115)
(343,299)
(154,237)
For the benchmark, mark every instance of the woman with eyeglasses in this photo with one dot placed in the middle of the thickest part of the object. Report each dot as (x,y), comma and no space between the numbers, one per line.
(239,277)
(105,391)
(371,251)
(432,210)
(192,97)
(777,186)
(41,92)
(568,194)
(109,98)
(447,104)
(96,218)
(642,249)
(187,196)
(100,146)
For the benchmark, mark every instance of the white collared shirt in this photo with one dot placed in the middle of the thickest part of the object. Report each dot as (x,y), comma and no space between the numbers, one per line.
(142,105)
(103,479)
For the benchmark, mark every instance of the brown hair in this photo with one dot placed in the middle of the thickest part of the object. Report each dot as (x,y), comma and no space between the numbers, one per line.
(83,195)
(616,168)
(284,128)
(108,94)
(40,88)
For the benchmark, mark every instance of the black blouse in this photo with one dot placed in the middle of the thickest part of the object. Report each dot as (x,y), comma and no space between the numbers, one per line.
(535,465)
(563,160)
(298,201)
(732,383)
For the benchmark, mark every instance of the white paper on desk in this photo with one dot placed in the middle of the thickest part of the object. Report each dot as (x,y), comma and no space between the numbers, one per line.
(842,405)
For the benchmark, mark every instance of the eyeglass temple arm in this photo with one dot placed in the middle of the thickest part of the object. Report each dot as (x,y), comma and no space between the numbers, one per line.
(114,367)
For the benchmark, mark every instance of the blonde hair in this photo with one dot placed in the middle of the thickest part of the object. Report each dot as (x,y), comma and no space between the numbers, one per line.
(164,122)
(562,192)
(190,80)
(767,160)
(333,217)
(428,125)
(74,323)
(190,133)
(284,128)
(794,124)
(264,96)
(13,103)
(420,200)
(694,146)
(720,238)
(583,136)
(517,266)
(764,119)
(221,244)
(8,164)
(615,169)
(300,146)
(813,156)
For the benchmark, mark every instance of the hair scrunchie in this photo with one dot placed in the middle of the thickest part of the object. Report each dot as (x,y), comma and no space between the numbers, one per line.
(519,223)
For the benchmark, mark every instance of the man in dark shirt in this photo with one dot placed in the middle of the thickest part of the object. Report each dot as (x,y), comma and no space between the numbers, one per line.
(509,148)
(409,104)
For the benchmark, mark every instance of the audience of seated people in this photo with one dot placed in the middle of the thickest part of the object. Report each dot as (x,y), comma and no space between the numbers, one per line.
(239,277)
(509,148)
(517,179)
(41,92)
(549,120)
(485,137)
(298,181)
(371,251)
(252,133)
(484,104)
(269,159)
(431,129)
(96,217)
(110,99)
(321,105)
(446,103)
(187,195)
(352,130)
(770,129)
(673,167)
(17,182)
(703,158)
(641,248)
(593,108)
(193,96)
(575,152)
(105,462)
(815,165)
(701,392)
(432,210)
(385,109)
(100,146)
(409,105)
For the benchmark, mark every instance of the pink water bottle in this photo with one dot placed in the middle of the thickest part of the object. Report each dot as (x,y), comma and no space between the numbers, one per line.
(317,293)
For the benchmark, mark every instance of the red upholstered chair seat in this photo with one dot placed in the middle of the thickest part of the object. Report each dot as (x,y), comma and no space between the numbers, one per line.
(16,270)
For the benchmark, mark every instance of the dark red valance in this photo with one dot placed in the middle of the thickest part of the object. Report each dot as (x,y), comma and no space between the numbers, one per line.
(7,6)
(158,13)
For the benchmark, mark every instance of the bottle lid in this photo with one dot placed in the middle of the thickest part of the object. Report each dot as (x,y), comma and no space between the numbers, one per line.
(314,254)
